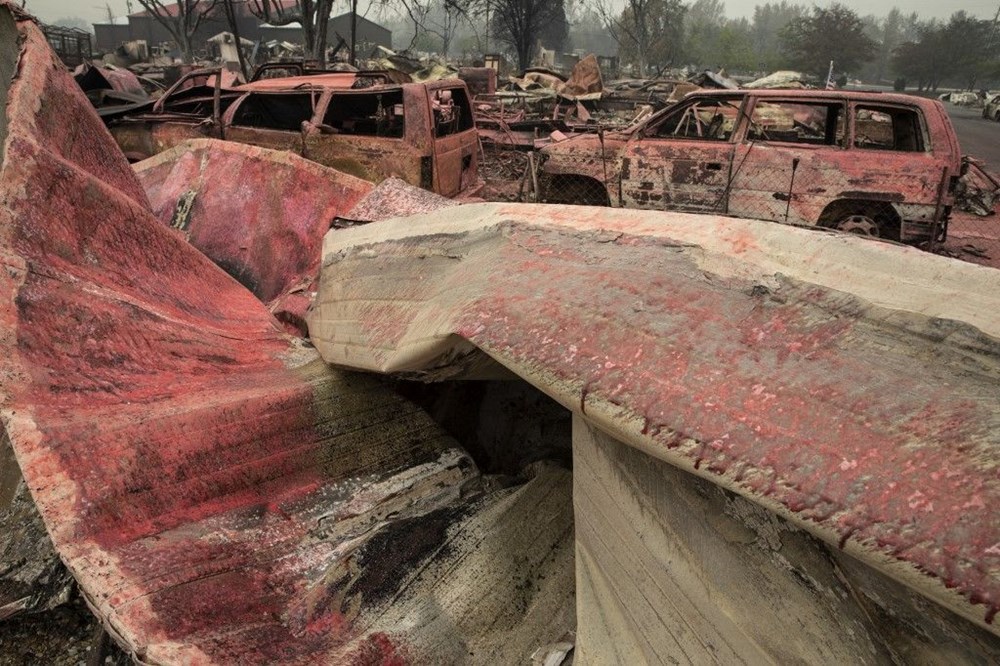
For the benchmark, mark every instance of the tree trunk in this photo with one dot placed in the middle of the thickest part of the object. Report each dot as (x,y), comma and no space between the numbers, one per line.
(187,51)
(234,27)
(322,25)
(354,32)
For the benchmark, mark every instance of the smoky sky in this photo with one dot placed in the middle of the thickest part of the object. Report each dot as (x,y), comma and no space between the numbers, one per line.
(95,11)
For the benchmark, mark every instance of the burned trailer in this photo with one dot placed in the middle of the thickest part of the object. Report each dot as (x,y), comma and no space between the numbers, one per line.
(874,164)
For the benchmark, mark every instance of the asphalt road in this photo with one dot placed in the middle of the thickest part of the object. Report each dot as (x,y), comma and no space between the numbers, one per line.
(977,136)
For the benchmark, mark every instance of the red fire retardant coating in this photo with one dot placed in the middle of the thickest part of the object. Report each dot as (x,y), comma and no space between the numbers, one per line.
(176,442)
(113,78)
(875,428)
(259,214)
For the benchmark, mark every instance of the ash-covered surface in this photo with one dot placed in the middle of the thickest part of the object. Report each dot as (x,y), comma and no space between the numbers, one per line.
(395,198)
(65,636)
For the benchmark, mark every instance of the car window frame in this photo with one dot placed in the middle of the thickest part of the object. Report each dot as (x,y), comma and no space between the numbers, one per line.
(233,109)
(872,105)
(801,101)
(647,131)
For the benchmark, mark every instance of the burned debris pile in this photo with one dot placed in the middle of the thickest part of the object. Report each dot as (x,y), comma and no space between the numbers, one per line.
(284,391)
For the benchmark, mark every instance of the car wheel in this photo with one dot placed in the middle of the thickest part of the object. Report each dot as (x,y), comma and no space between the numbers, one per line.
(862,224)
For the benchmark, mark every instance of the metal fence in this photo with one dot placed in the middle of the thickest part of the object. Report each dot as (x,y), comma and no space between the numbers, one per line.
(974,229)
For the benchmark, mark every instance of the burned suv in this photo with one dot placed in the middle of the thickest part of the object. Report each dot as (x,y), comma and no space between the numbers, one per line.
(356,122)
(883,165)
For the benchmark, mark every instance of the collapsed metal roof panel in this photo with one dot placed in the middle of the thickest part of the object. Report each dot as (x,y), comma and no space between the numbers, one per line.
(220,494)
(792,366)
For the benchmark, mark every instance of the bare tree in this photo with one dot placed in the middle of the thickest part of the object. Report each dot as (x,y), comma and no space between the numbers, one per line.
(439,19)
(519,23)
(181,23)
(647,31)
(312,15)
(232,16)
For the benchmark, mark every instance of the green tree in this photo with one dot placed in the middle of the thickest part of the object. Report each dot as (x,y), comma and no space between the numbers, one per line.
(768,21)
(832,33)
(887,33)
(703,24)
(736,47)
(962,51)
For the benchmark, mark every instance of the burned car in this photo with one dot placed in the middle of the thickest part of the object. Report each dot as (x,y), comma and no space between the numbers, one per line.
(355,122)
(875,164)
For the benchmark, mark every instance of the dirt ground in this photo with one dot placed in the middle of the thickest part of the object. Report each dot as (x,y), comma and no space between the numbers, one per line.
(974,239)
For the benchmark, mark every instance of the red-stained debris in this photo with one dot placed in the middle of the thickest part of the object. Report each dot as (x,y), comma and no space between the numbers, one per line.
(219,493)
(773,361)
(91,77)
(395,198)
(233,202)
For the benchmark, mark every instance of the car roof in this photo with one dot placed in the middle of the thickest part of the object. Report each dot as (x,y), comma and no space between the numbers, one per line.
(339,80)
(816,94)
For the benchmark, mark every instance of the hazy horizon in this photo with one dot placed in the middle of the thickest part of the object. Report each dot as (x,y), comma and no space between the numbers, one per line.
(93,11)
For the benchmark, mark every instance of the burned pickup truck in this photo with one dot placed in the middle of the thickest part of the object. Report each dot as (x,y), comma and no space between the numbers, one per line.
(355,122)
(875,164)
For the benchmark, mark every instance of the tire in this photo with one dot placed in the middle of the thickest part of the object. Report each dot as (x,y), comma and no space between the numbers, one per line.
(862,219)
(862,224)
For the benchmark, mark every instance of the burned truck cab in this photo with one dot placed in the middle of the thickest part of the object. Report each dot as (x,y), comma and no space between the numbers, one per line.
(423,133)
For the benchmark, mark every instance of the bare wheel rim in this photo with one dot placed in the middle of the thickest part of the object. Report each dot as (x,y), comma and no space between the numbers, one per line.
(863,225)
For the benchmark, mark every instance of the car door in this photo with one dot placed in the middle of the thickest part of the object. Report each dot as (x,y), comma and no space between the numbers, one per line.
(790,161)
(455,139)
(367,133)
(271,119)
(682,160)
(190,109)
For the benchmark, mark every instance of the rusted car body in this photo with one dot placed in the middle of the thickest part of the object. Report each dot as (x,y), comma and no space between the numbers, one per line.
(877,164)
(422,133)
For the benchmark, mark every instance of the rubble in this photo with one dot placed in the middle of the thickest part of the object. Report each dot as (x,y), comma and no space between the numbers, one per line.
(978,191)
(394,198)
(961,98)
(32,577)
(248,222)
(774,456)
(784,80)
(113,89)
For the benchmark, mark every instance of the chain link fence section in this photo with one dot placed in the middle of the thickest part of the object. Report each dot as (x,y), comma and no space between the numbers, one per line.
(504,170)
(781,194)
